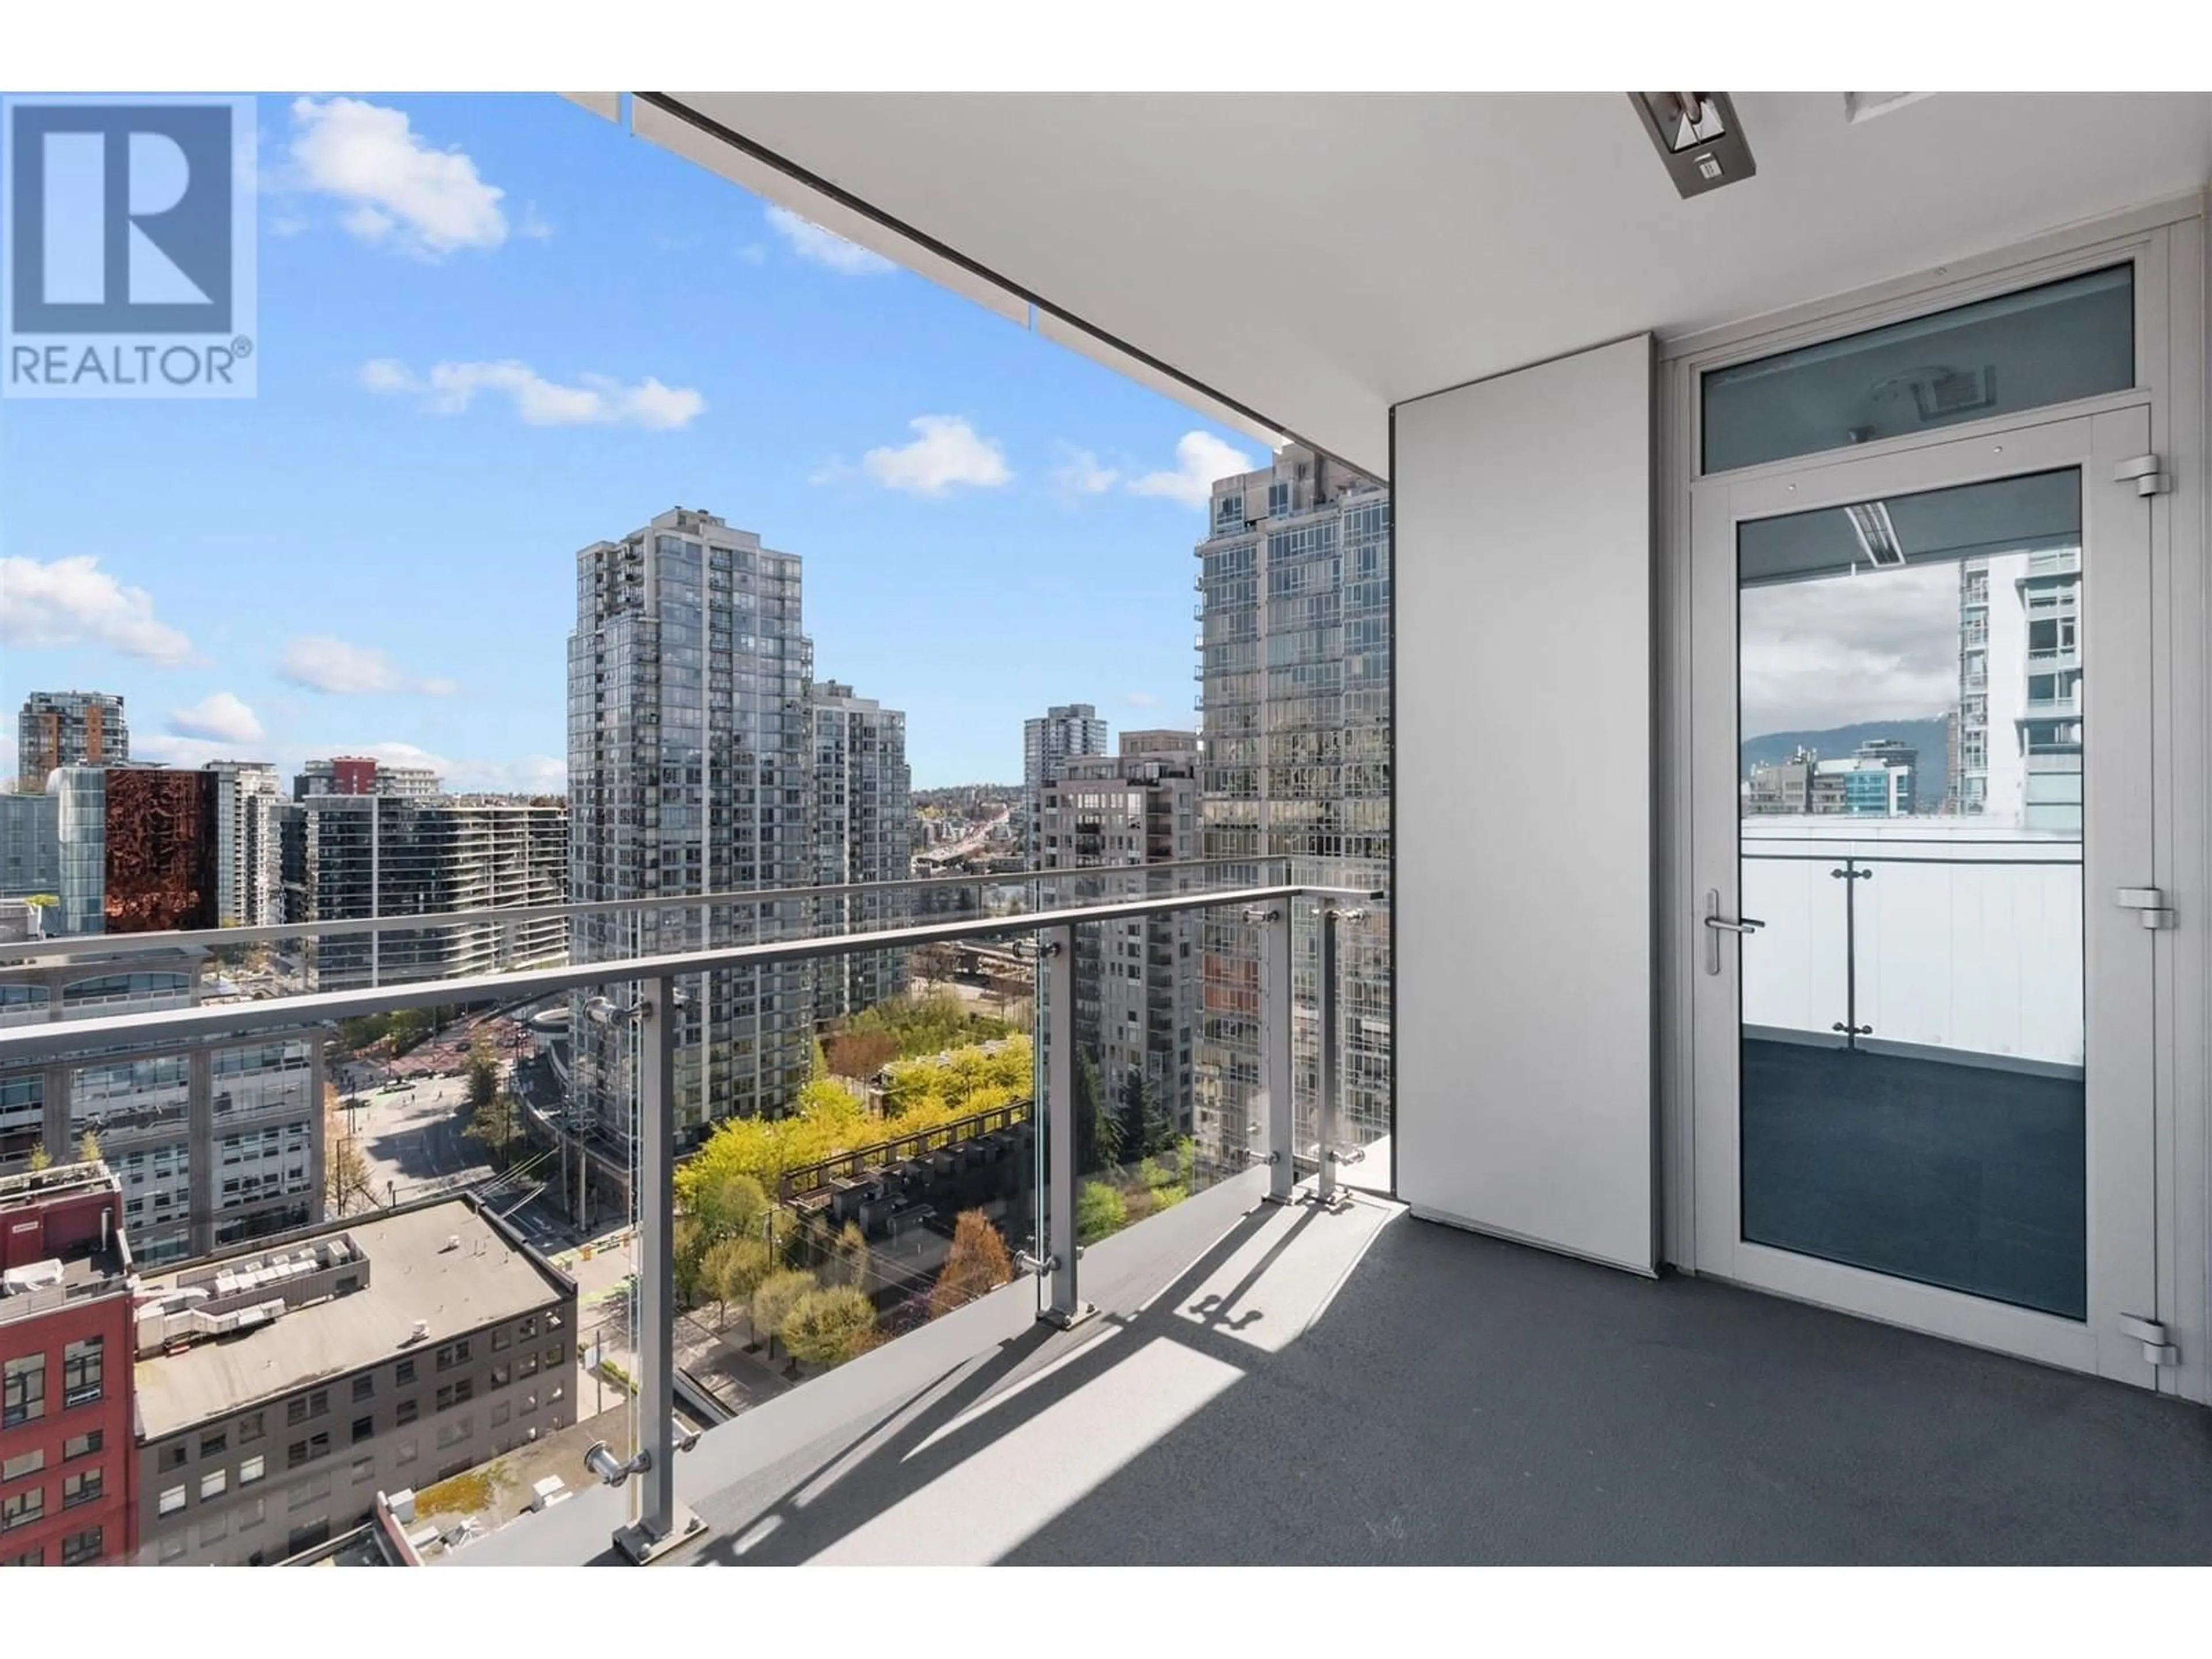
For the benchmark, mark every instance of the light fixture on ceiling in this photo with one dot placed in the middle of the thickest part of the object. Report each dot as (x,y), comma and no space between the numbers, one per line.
(1698,137)
(1877,534)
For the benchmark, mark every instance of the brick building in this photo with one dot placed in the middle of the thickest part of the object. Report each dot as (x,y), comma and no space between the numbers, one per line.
(65,1376)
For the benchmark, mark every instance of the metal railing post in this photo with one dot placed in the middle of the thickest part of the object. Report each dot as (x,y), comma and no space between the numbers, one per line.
(1278,1073)
(660,1524)
(1328,1113)
(1062,1309)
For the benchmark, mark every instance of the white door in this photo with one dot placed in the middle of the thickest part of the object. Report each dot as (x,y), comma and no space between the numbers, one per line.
(1923,766)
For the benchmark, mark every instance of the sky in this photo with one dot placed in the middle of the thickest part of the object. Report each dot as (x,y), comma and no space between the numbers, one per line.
(1877,645)
(493,329)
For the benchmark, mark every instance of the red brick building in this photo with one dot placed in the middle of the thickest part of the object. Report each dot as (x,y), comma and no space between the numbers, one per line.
(67,1460)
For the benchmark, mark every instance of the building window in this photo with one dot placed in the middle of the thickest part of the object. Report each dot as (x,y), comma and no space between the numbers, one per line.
(456,1394)
(500,1413)
(362,1468)
(80,1548)
(501,1376)
(364,1387)
(528,1367)
(362,1428)
(81,1487)
(27,1559)
(527,1328)
(213,1483)
(500,1339)
(251,1470)
(82,1445)
(29,1463)
(303,1452)
(23,1508)
(173,1499)
(307,1406)
(452,1354)
(307,1493)
(408,1410)
(84,1367)
(453,1433)
(249,1427)
(403,1373)
(214,1445)
(175,1456)
(406,1453)
(553,1356)
(22,1389)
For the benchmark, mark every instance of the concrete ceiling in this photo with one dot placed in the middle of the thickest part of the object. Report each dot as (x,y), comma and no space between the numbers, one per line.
(1318,258)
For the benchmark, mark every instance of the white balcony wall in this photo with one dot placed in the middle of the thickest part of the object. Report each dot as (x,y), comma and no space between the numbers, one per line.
(1979,953)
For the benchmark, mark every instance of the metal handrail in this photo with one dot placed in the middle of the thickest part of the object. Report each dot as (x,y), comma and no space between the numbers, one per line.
(23,1044)
(75,945)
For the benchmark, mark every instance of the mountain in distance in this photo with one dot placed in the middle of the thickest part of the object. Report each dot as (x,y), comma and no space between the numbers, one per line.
(1928,736)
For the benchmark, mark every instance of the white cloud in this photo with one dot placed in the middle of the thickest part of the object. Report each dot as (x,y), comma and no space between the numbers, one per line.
(1880,644)
(948,452)
(593,400)
(524,774)
(823,247)
(220,716)
(1079,472)
(534,225)
(398,190)
(172,750)
(73,602)
(1200,457)
(320,663)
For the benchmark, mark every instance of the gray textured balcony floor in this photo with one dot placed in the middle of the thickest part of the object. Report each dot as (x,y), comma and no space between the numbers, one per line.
(1365,1388)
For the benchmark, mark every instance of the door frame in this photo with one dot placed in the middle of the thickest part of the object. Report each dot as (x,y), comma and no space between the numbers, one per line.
(2165,242)
(2117,617)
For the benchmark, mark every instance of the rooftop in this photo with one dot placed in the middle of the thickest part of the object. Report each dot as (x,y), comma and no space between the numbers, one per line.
(415,1273)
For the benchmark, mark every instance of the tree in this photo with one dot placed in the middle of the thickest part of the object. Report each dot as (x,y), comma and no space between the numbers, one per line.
(1097,1127)
(733,1270)
(41,1158)
(976,1263)
(727,1204)
(1145,1128)
(1098,1211)
(691,1247)
(775,1298)
(820,1067)
(345,1176)
(88,1148)
(482,1071)
(859,1054)
(848,1258)
(829,1326)
(496,1125)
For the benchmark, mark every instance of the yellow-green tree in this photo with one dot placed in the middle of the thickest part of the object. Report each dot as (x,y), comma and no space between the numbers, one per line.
(829,1326)
(734,1269)
(774,1299)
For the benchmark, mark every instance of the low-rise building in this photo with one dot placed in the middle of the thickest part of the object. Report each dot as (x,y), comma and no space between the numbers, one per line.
(280,1391)
(66,1405)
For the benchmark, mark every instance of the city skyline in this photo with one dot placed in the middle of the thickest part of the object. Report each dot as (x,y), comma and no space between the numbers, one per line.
(428,386)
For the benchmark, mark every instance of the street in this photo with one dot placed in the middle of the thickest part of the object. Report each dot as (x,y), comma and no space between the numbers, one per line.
(412,1136)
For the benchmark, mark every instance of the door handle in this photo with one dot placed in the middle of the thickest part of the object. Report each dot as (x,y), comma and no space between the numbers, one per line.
(1717,924)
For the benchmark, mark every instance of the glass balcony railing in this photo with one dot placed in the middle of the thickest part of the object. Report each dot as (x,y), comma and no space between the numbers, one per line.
(1038,1088)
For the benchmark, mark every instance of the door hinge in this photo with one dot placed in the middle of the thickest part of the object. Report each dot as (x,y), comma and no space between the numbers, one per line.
(2149,903)
(2147,472)
(2157,1341)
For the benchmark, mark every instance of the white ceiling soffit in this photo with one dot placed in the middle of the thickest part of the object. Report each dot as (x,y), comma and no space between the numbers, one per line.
(772,184)
(605,105)
(1319,257)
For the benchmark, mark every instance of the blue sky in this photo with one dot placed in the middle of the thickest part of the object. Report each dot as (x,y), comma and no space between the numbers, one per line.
(495,329)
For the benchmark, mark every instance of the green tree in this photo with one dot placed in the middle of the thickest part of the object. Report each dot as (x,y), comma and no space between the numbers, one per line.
(1097,1127)
(727,1204)
(976,1263)
(829,1326)
(497,1125)
(1099,1211)
(847,1261)
(1145,1128)
(734,1269)
(482,1071)
(691,1247)
(774,1299)
(88,1148)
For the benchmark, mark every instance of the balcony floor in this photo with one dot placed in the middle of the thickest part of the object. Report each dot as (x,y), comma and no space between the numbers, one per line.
(1271,1386)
